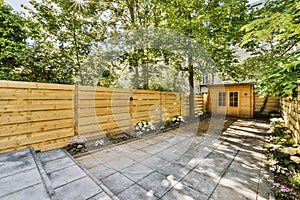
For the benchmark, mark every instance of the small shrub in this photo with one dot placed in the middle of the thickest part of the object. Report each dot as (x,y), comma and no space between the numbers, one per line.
(281,190)
(110,136)
(143,127)
(295,179)
(177,120)
(76,145)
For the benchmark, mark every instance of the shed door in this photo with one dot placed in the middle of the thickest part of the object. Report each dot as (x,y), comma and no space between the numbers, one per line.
(233,103)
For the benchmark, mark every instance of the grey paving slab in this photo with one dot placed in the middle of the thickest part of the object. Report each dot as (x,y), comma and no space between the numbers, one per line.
(264,186)
(154,162)
(221,159)
(65,175)
(80,189)
(210,168)
(251,170)
(180,165)
(34,192)
(19,181)
(167,154)
(186,161)
(152,149)
(136,171)
(139,155)
(58,164)
(101,171)
(183,193)
(136,192)
(52,155)
(228,192)
(240,181)
(201,182)
(120,163)
(89,161)
(138,144)
(15,162)
(117,182)
(107,155)
(125,149)
(157,183)
(101,196)
(174,170)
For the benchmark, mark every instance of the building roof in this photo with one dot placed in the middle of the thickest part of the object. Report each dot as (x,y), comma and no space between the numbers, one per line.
(231,84)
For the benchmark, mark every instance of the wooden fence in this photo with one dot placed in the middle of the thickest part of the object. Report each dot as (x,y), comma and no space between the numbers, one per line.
(47,116)
(271,105)
(290,111)
(35,114)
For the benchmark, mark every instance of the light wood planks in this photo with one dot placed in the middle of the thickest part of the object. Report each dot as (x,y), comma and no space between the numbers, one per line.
(35,115)
(290,111)
(42,115)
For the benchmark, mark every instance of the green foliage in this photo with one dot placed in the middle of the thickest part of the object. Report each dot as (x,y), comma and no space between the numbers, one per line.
(63,34)
(110,136)
(13,50)
(283,152)
(158,87)
(282,191)
(272,37)
(295,179)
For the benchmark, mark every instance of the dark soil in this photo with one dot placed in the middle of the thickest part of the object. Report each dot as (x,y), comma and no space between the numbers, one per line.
(73,150)
(121,138)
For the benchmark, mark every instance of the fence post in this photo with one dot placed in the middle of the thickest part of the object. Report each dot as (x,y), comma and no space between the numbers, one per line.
(180,104)
(161,106)
(76,99)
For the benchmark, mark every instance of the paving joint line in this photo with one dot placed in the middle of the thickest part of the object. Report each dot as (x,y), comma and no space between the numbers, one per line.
(98,182)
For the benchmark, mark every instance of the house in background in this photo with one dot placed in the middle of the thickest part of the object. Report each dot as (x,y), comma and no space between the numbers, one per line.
(236,100)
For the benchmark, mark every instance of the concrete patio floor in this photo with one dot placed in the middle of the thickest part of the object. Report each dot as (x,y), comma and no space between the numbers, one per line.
(177,164)
(180,165)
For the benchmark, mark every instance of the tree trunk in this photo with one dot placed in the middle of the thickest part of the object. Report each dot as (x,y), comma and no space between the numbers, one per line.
(145,75)
(191,84)
(136,76)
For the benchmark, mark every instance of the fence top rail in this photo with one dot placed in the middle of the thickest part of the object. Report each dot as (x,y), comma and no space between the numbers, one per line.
(52,86)
(34,85)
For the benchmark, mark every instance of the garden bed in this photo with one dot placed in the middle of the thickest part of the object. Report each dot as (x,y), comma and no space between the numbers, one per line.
(284,161)
(117,138)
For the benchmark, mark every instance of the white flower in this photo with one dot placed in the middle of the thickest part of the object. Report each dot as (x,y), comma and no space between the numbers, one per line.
(99,143)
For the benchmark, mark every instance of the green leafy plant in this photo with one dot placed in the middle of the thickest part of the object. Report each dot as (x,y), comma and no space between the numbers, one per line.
(281,190)
(295,179)
(110,136)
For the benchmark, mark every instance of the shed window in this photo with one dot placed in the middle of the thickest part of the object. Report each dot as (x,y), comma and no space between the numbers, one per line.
(233,99)
(222,98)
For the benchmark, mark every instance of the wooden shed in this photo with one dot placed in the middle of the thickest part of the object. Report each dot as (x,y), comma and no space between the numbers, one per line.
(235,100)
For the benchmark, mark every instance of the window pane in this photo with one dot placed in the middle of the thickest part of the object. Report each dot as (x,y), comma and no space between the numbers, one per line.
(233,99)
(222,99)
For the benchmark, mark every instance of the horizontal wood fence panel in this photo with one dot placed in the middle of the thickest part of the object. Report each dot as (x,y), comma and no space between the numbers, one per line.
(290,111)
(47,116)
(271,105)
(35,113)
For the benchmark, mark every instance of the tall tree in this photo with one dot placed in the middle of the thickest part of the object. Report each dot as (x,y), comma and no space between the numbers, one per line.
(13,50)
(64,33)
(213,24)
(273,38)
